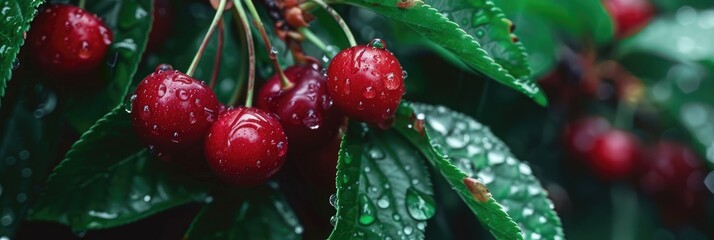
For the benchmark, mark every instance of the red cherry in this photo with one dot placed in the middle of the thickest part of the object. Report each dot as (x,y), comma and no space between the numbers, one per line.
(366,82)
(614,155)
(579,136)
(672,166)
(629,15)
(305,109)
(674,175)
(68,41)
(172,111)
(246,146)
(161,26)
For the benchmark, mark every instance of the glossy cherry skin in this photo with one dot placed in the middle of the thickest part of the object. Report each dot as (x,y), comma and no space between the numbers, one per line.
(305,109)
(171,111)
(246,146)
(614,155)
(161,25)
(674,175)
(366,82)
(629,15)
(67,41)
(579,136)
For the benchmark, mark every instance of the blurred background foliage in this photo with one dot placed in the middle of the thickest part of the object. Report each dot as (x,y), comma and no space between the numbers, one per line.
(575,53)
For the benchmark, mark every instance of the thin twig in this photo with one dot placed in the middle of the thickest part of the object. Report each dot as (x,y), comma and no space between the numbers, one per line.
(251,56)
(219,52)
(340,21)
(271,51)
(197,58)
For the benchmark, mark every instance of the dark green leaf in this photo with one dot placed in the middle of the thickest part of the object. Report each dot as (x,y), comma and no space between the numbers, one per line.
(130,21)
(16,18)
(187,32)
(462,148)
(383,188)
(257,213)
(113,180)
(29,136)
(486,23)
(434,25)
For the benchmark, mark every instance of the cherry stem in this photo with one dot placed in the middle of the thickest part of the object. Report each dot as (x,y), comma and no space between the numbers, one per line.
(316,40)
(340,21)
(219,52)
(251,56)
(81,3)
(271,51)
(206,38)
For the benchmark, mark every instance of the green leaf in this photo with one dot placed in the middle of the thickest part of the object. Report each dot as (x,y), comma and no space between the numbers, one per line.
(489,26)
(674,56)
(29,138)
(16,18)
(113,180)
(436,26)
(257,213)
(462,148)
(383,188)
(580,19)
(186,35)
(130,21)
(684,37)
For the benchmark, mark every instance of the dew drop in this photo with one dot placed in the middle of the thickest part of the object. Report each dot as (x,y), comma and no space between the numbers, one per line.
(163,67)
(378,43)
(333,220)
(376,153)
(419,205)
(366,210)
(183,95)
(383,202)
(162,90)
(390,81)
(486,175)
(311,121)
(408,230)
(192,118)
(333,200)
(174,137)
(346,88)
(360,106)
(282,149)
(369,93)
(84,51)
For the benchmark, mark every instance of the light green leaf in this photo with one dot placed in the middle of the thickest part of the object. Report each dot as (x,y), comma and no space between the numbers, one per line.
(436,26)
(16,18)
(383,188)
(462,148)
